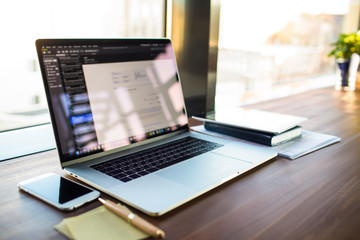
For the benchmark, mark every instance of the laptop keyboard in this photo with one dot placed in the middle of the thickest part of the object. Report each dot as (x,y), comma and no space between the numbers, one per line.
(139,164)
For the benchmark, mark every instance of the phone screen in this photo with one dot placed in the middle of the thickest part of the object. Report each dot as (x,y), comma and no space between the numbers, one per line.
(54,188)
(61,190)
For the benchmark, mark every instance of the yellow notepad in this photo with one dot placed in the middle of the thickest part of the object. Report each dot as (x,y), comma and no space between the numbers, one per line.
(99,223)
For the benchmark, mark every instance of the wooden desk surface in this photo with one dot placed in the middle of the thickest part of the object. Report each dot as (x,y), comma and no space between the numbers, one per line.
(314,197)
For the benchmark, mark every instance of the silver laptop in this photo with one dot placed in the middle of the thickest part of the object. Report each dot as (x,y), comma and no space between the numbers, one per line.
(120,123)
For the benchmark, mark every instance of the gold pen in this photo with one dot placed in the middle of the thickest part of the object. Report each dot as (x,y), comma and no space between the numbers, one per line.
(133,219)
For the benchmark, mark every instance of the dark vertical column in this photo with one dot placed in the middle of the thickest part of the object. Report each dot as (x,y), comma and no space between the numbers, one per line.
(195,31)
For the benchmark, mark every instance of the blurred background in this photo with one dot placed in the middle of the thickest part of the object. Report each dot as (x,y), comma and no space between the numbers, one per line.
(265,49)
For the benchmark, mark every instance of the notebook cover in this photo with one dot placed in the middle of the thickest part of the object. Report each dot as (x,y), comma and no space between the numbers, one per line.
(248,135)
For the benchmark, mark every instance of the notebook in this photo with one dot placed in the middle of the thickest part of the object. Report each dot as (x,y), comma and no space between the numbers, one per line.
(120,123)
(251,119)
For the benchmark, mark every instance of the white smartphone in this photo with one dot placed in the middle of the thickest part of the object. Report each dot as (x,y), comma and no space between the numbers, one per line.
(58,191)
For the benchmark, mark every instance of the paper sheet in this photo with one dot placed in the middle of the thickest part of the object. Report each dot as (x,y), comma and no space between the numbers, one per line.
(308,142)
(99,223)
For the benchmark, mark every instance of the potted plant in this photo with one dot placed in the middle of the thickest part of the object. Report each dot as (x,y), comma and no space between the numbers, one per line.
(344,47)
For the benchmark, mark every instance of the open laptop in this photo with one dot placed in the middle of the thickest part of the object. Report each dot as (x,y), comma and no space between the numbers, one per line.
(120,123)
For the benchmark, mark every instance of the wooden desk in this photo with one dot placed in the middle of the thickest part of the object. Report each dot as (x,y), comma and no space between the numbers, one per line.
(314,197)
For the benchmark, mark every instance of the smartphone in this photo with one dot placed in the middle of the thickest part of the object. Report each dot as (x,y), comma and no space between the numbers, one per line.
(58,191)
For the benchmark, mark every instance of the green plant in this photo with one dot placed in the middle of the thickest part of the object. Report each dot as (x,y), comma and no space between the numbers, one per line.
(346,45)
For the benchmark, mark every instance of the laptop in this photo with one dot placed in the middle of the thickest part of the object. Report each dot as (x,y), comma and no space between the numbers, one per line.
(120,123)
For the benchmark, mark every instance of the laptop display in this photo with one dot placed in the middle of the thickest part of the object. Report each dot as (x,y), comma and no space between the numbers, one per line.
(110,94)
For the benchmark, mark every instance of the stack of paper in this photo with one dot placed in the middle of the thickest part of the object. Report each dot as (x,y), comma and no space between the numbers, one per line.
(99,223)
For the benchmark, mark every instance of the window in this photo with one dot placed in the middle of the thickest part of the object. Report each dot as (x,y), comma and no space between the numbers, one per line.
(270,49)
(22,96)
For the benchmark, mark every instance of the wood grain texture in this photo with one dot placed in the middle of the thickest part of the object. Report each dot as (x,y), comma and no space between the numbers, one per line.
(316,196)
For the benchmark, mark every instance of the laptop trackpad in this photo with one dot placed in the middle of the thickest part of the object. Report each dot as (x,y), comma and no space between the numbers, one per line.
(204,171)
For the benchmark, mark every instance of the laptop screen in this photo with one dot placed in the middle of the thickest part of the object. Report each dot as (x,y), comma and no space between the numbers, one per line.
(109,93)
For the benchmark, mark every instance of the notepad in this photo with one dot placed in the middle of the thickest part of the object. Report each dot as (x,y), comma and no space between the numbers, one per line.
(99,223)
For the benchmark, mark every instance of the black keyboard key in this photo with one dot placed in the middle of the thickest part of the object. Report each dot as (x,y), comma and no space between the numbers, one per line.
(152,169)
(129,172)
(125,179)
(143,173)
(119,175)
(134,176)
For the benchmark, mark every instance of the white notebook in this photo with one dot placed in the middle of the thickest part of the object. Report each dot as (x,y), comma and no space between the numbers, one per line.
(251,119)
